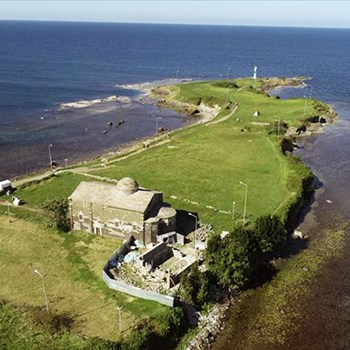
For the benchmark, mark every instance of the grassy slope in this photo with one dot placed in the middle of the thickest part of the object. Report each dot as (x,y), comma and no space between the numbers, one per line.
(72,264)
(57,187)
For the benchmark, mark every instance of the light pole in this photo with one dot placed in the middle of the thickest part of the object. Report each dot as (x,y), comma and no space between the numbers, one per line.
(177,77)
(44,289)
(157,118)
(305,104)
(278,127)
(233,213)
(8,212)
(50,156)
(245,200)
(120,318)
(228,73)
(195,227)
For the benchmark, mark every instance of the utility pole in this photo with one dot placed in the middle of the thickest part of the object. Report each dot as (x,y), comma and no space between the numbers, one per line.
(50,157)
(120,318)
(157,118)
(305,104)
(233,213)
(245,201)
(8,212)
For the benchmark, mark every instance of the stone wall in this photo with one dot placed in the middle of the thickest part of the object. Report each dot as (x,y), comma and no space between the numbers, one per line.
(157,255)
(103,220)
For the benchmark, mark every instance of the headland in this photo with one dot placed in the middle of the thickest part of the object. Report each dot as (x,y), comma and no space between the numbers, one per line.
(199,168)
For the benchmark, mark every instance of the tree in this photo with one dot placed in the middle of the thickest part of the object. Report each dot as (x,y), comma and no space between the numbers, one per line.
(269,233)
(231,259)
(194,286)
(57,212)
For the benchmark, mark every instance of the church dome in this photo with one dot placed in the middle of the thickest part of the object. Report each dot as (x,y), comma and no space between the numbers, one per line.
(127,185)
(166,213)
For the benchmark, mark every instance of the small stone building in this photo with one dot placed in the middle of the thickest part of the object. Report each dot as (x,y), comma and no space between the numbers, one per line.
(120,210)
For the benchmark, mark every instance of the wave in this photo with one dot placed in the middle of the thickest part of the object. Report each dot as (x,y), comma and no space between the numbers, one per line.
(86,103)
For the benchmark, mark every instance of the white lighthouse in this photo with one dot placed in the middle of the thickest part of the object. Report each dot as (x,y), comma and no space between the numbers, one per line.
(255,69)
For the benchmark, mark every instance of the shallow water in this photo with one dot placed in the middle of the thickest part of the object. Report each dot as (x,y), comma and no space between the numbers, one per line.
(79,134)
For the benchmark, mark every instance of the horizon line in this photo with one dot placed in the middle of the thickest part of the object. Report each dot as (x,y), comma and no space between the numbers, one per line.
(175,23)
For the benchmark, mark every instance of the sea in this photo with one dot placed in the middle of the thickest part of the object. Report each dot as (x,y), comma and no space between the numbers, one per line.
(44,65)
(49,69)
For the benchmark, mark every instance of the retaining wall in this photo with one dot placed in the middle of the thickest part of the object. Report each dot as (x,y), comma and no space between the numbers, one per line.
(137,292)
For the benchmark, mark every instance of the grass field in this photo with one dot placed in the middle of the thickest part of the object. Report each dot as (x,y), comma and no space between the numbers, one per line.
(56,187)
(72,265)
(206,163)
(202,166)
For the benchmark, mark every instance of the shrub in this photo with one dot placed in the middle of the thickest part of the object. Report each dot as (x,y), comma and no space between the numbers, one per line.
(231,259)
(269,233)
(278,127)
(194,287)
(57,213)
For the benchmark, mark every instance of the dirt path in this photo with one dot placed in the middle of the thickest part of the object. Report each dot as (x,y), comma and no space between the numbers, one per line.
(23,181)
(217,121)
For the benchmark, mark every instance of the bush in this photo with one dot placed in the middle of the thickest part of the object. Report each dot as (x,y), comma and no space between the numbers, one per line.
(269,233)
(194,287)
(162,332)
(231,260)
(226,84)
(279,127)
(57,213)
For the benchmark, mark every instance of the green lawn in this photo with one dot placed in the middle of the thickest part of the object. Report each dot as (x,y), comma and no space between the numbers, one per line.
(57,187)
(206,163)
(72,264)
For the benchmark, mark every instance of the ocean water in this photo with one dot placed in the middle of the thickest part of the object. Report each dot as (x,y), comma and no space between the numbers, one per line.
(45,64)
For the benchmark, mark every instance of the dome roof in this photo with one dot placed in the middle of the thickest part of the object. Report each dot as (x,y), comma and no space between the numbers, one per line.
(166,213)
(127,185)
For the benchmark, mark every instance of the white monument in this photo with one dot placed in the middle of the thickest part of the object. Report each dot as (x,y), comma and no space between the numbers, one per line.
(255,69)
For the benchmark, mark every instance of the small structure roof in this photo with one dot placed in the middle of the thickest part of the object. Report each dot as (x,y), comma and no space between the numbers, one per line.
(166,212)
(125,195)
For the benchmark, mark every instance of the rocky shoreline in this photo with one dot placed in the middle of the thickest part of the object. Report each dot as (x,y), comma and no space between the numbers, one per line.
(210,325)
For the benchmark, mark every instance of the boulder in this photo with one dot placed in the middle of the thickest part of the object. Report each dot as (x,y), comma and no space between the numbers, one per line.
(297,234)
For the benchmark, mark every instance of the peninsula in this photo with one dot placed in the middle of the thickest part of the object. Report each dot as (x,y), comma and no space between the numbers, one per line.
(230,169)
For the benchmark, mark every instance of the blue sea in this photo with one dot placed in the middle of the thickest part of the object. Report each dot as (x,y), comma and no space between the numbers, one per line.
(46,64)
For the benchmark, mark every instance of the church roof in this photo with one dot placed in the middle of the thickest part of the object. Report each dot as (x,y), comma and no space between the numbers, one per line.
(125,195)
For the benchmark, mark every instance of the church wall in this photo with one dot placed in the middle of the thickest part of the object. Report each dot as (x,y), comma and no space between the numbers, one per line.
(103,220)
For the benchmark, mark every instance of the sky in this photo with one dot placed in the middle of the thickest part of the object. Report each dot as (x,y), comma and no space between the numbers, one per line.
(297,13)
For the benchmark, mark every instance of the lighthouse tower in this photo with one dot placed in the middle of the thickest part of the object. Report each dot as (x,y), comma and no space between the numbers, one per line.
(255,69)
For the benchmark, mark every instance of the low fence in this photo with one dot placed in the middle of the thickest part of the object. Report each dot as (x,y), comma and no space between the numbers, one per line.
(137,292)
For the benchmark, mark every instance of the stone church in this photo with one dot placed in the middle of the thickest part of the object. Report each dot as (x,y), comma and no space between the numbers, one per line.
(120,210)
